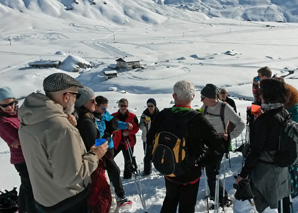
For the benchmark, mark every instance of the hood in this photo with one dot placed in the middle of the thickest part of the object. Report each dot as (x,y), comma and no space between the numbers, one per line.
(37,107)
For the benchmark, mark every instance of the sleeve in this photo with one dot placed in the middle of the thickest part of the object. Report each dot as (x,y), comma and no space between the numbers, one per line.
(142,123)
(135,128)
(70,163)
(88,132)
(259,137)
(231,115)
(9,132)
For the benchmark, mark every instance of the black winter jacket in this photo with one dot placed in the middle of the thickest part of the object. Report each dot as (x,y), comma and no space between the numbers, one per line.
(200,133)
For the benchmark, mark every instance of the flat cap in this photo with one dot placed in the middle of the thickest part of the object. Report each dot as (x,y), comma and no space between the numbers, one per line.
(59,81)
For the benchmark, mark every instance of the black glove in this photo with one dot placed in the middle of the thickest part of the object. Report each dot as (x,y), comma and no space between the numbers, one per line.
(244,191)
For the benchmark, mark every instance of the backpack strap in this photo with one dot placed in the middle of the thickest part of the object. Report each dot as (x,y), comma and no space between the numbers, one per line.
(222,112)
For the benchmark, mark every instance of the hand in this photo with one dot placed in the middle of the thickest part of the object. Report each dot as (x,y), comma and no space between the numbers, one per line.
(129,126)
(72,120)
(146,121)
(15,144)
(101,150)
(125,133)
(238,179)
(225,136)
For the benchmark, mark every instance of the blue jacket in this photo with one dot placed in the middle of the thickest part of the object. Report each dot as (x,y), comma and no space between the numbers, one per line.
(101,120)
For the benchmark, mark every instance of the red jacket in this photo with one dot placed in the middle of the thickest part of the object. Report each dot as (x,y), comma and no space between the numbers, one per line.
(117,135)
(9,126)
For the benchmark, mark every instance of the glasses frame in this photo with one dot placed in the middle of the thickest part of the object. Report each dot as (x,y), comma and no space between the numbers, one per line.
(76,94)
(7,105)
(122,105)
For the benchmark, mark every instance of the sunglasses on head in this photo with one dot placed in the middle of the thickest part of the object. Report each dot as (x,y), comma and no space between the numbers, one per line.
(6,105)
(149,105)
(76,94)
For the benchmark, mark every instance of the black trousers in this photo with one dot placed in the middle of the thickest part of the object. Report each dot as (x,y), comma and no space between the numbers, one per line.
(26,199)
(114,173)
(184,195)
(127,165)
(211,172)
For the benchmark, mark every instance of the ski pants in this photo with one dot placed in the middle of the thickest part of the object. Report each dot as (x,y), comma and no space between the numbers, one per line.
(114,173)
(26,199)
(211,172)
(183,194)
(127,171)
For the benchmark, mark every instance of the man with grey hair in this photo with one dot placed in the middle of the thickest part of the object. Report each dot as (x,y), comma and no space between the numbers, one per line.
(183,189)
(57,161)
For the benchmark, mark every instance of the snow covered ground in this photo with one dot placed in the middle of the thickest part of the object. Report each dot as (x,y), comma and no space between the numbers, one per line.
(172,44)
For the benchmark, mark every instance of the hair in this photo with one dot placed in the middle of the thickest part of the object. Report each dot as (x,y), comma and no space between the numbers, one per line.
(101,100)
(273,91)
(292,96)
(265,71)
(123,100)
(223,89)
(184,90)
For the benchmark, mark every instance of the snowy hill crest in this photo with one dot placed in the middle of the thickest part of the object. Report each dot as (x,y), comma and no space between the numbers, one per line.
(123,12)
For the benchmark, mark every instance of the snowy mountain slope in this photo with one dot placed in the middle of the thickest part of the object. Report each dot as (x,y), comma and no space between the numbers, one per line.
(256,10)
(129,12)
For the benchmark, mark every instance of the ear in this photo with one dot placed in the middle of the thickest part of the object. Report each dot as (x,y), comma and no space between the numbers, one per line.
(65,97)
(175,96)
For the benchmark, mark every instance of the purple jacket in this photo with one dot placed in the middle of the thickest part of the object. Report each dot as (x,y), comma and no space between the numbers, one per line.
(9,126)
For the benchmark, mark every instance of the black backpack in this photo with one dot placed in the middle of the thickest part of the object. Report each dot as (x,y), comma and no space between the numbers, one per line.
(287,154)
(170,152)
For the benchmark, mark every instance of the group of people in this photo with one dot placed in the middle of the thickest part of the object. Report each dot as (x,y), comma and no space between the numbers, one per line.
(52,140)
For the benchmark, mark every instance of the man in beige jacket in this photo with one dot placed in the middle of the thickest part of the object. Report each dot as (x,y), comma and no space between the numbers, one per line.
(59,165)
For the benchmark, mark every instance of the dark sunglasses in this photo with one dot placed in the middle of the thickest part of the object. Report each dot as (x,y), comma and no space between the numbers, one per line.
(223,93)
(150,106)
(76,94)
(123,105)
(6,105)
(202,97)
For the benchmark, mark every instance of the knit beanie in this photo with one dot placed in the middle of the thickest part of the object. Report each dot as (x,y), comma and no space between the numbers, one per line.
(5,93)
(152,101)
(59,81)
(86,94)
(209,91)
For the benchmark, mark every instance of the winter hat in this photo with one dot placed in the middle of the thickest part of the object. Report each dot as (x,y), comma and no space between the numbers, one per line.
(209,91)
(5,93)
(59,81)
(86,94)
(152,101)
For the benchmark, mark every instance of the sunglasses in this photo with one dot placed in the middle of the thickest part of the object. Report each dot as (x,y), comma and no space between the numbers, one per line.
(123,105)
(76,94)
(104,109)
(223,93)
(6,105)
(202,97)
(150,106)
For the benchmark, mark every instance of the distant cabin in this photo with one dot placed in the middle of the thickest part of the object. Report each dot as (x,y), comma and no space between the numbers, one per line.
(128,63)
(45,63)
(110,74)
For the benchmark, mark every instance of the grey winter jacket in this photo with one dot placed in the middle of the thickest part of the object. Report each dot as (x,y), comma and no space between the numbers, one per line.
(58,164)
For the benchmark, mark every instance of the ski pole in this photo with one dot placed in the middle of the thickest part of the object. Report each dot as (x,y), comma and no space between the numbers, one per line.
(216,205)
(136,177)
(206,188)
(281,206)
(224,185)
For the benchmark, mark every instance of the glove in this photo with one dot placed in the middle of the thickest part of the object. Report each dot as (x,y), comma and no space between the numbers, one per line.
(244,191)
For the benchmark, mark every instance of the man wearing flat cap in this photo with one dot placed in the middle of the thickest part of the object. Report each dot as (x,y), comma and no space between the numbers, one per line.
(59,165)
